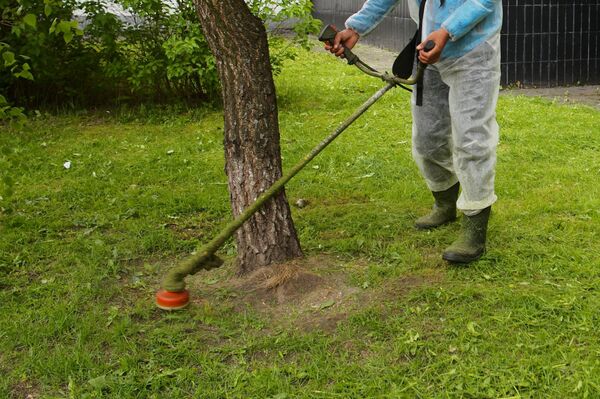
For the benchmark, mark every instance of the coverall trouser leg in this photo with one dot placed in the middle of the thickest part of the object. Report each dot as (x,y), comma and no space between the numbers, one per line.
(455,133)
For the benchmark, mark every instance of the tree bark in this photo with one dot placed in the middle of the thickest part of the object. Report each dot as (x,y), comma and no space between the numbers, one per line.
(238,41)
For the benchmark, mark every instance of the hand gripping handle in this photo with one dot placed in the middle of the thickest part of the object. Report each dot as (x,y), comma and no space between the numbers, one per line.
(328,35)
(429,46)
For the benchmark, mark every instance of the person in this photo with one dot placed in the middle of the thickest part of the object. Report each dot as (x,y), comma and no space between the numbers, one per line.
(455,133)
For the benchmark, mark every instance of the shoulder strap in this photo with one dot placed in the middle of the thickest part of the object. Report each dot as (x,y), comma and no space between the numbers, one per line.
(419,99)
(403,65)
(421,14)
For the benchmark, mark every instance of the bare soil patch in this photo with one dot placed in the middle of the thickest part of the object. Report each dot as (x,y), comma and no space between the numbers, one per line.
(24,390)
(309,293)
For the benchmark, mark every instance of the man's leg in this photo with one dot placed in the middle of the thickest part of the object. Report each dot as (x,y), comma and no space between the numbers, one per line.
(474,82)
(432,149)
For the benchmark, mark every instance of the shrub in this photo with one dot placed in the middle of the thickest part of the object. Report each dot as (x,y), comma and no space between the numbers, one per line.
(88,53)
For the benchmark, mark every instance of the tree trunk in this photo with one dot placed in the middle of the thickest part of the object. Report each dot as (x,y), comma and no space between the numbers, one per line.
(238,41)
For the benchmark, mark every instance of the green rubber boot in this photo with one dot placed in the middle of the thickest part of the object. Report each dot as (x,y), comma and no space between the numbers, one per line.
(470,245)
(444,209)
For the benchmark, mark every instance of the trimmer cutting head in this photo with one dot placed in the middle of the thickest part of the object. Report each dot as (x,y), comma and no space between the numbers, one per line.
(169,300)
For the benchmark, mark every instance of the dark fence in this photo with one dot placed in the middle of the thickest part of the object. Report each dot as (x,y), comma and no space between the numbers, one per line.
(544,42)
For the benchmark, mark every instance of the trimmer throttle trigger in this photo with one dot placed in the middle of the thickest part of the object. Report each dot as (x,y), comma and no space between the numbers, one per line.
(328,36)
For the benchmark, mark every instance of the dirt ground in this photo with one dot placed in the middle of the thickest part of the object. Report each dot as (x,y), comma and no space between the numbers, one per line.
(589,95)
(307,294)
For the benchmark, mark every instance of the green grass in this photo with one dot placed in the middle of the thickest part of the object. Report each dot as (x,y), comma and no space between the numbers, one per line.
(82,252)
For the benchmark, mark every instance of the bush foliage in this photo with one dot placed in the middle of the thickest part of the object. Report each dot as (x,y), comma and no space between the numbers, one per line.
(91,52)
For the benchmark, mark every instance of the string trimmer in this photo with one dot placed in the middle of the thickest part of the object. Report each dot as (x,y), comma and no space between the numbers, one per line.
(173,294)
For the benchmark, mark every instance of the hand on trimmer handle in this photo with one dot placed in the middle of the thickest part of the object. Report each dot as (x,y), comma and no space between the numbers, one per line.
(328,36)
(430,45)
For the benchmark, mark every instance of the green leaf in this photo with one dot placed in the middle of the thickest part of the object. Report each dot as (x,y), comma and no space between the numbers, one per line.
(471,328)
(327,304)
(25,74)
(63,26)
(16,112)
(47,10)
(98,382)
(169,373)
(30,20)
(9,58)
(68,36)
(16,30)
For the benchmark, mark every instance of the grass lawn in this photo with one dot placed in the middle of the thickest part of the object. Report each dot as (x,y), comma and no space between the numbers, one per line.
(82,252)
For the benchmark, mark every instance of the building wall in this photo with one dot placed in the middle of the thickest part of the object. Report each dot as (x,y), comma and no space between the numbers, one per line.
(544,42)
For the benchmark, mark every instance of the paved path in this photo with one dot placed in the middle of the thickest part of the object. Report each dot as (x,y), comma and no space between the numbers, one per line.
(590,95)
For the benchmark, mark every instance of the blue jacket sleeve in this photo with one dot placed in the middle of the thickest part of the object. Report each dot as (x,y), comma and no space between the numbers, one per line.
(370,15)
(467,16)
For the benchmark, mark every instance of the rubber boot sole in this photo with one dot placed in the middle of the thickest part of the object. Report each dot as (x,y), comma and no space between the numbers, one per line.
(453,257)
(433,226)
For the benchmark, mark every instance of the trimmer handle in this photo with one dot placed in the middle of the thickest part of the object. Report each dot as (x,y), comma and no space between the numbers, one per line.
(328,35)
(429,46)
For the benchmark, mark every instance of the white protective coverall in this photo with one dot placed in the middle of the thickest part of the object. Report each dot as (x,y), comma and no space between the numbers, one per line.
(455,133)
